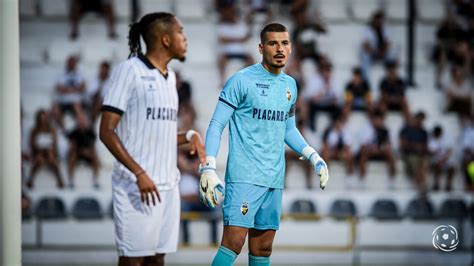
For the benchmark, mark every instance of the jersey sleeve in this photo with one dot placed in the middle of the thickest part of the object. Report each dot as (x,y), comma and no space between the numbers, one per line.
(233,93)
(119,87)
(294,97)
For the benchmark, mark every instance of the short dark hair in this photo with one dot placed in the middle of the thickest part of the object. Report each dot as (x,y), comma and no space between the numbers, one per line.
(144,29)
(272,27)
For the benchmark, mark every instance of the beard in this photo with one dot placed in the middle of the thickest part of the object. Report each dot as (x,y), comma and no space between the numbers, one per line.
(182,58)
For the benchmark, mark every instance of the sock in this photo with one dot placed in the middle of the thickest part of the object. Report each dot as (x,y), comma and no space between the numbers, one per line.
(258,261)
(224,257)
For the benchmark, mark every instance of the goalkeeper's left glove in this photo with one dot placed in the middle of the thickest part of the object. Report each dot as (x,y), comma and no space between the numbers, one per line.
(319,165)
(211,189)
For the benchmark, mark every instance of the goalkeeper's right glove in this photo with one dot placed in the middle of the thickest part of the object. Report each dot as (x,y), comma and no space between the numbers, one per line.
(211,189)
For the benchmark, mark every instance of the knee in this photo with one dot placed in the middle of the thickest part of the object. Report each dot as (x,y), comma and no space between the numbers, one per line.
(235,244)
(264,250)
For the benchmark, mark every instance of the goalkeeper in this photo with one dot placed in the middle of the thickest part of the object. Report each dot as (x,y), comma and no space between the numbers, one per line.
(258,102)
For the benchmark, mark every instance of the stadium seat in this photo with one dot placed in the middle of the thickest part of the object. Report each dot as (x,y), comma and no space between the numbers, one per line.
(50,208)
(385,209)
(420,209)
(431,9)
(343,209)
(303,206)
(453,208)
(87,208)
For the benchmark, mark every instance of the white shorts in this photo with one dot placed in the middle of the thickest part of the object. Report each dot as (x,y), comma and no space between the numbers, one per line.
(142,230)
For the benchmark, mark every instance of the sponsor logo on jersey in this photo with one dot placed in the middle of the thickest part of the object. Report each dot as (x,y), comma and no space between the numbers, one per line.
(161,113)
(270,115)
(148,78)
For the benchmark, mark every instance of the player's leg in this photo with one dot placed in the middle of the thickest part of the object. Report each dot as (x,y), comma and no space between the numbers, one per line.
(131,261)
(267,221)
(233,240)
(260,246)
(157,260)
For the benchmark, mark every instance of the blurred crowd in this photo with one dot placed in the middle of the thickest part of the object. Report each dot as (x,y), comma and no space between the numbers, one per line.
(425,152)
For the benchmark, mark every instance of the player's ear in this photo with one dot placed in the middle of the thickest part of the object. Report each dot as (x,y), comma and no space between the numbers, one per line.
(166,39)
(260,48)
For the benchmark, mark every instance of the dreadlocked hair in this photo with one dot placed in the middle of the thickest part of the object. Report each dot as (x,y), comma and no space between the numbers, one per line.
(145,28)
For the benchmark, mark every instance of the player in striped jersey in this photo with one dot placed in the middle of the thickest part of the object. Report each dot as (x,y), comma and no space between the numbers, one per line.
(139,127)
(258,102)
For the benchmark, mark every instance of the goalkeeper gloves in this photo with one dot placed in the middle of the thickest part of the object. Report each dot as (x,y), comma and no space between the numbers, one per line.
(320,167)
(211,189)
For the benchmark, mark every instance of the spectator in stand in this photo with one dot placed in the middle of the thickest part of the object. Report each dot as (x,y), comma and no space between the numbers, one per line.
(467,146)
(102,7)
(358,95)
(392,90)
(447,35)
(184,90)
(189,187)
(95,92)
(414,149)
(82,147)
(375,145)
(323,94)
(304,36)
(43,146)
(337,145)
(377,44)
(458,92)
(442,160)
(233,35)
(69,91)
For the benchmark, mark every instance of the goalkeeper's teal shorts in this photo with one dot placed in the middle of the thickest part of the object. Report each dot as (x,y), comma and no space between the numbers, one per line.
(252,206)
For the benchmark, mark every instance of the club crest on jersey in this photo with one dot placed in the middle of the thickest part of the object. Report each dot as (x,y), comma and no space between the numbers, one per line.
(244,208)
(288,94)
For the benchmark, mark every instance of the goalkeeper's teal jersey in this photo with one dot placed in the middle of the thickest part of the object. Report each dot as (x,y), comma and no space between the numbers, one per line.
(263,102)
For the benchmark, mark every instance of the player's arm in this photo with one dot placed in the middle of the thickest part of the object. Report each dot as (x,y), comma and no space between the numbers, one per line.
(296,142)
(211,189)
(108,125)
(194,139)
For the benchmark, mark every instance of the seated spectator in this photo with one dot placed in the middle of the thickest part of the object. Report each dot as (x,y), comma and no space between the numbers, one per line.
(358,95)
(233,35)
(323,94)
(336,145)
(69,91)
(442,160)
(102,7)
(304,36)
(392,90)
(467,146)
(184,90)
(95,92)
(447,34)
(82,147)
(375,145)
(377,44)
(458,92)
(189,189)
(43,146)
(414,149)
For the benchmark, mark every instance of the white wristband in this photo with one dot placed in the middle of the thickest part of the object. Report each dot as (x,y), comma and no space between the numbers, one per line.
(307,151)
(189,134)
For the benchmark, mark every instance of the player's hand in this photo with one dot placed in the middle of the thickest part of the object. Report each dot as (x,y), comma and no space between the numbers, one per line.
(147,189)
(319,165)
(211,189)
(197,145)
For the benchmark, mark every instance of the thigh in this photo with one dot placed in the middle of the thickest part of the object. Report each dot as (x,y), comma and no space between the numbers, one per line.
(241,203)
(137,225)
(169,231)
(269,213)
